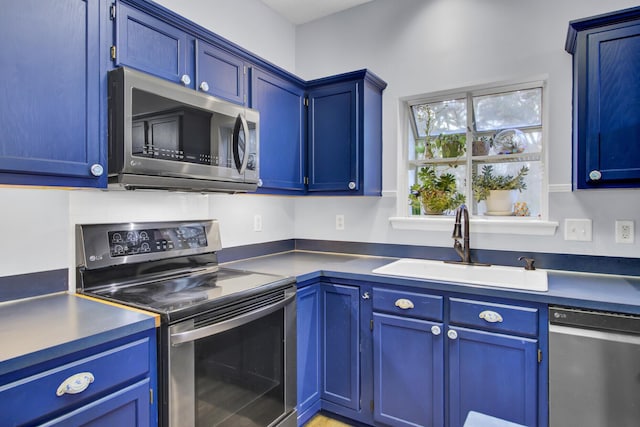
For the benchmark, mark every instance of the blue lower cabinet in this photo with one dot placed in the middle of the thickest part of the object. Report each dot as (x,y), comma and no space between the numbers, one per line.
(126,407)
(493,374)
(112,384)
(408,362)
(340,345)
(308,349)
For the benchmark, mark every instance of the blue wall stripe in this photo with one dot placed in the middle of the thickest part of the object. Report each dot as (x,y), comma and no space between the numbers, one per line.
(33,284)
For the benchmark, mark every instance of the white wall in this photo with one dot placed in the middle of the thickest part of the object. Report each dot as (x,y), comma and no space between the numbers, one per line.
(422,46)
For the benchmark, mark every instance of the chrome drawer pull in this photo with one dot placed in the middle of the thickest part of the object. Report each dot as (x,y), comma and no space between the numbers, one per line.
(404,303)
(491,316)
(75,383)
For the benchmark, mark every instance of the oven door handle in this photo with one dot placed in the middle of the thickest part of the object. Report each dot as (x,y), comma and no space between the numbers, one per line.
(216,328)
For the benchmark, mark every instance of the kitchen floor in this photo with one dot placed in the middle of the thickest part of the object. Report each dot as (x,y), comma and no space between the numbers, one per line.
(322,421)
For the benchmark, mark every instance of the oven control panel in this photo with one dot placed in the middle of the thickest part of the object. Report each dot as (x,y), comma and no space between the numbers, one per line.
(104,245)
(136,242)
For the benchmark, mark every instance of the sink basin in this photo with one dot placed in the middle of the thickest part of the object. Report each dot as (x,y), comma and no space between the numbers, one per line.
(494,275)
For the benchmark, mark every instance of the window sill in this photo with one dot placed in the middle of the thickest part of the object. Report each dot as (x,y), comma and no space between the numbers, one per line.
(506,225)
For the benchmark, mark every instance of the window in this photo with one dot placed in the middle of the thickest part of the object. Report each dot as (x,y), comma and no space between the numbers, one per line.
(461,144)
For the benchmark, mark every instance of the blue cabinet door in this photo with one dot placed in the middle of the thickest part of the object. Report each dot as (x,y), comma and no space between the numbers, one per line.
(151,45)
(51,121)
(340,345)
(282,138)
(408,360)
(220,73)
(606,129)
(308,352)
(126,407)
(493,374)
(333,138)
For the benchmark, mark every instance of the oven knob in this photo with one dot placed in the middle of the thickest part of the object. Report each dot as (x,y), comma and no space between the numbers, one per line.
(185,79)
(204,86)
(97,169)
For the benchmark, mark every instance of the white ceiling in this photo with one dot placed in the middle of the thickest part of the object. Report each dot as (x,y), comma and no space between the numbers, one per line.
(301,11)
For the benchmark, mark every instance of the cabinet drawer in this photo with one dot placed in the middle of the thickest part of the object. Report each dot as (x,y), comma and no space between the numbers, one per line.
(494,317)
(37,396)
(408,304)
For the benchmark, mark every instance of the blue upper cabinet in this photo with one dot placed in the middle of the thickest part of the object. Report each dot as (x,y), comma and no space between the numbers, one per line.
(161,45)
(151,45)
(219,73)
(345,134)
(53,127)
(606,116)
(282,132)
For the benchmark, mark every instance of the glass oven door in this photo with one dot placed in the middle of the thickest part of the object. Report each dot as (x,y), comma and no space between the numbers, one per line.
(235,366)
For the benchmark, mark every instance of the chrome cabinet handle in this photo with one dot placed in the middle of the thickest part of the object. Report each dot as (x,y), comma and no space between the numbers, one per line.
(204,86)
(452,334)
(404,304)
(185,80)
(491,316)
(595,175)
(352,185)
(435,330)
(366,295)
(97,169)
(75,384)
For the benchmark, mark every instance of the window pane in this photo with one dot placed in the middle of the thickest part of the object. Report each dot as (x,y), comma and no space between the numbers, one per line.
(436,189)
(446,117)
(528,199)
(508,110)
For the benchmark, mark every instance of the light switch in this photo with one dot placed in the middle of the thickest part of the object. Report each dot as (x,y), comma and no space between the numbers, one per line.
(577,229)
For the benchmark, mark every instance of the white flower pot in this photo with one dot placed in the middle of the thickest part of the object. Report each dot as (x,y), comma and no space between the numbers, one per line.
(500,202)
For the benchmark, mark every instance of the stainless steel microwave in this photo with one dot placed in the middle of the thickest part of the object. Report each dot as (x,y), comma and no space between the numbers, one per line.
(165,136)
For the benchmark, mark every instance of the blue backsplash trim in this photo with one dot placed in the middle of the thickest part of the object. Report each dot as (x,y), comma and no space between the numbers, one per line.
(33,284)
(567,262)
(258,249)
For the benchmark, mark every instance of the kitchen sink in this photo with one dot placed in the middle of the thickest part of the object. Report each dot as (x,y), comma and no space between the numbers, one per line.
(481,275)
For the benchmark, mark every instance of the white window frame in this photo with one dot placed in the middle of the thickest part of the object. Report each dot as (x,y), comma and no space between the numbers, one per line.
(540,226)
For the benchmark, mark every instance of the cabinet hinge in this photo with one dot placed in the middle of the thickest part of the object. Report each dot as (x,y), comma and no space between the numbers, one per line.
(371,324)
(539,355)
(244,70)
(113,52)
(112,11)
(306,180)
(306,102)
(151,396)
(371,405)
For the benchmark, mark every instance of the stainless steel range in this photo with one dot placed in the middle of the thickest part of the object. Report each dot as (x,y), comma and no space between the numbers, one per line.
(227,340)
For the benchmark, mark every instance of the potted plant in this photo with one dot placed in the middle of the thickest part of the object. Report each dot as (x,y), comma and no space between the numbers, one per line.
(451,145)
(481,145)
(436,193)
(499,191)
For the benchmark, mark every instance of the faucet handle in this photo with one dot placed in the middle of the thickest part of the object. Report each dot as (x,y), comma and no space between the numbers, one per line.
(529,262)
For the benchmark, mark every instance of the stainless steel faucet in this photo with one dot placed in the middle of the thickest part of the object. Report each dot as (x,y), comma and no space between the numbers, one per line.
(464,252)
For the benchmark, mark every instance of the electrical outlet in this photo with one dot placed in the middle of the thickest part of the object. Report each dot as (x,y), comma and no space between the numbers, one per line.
(577,229)
(257,222)
(624,231)
(339,222)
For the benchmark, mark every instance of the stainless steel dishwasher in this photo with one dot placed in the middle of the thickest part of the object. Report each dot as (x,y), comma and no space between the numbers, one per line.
(594,369)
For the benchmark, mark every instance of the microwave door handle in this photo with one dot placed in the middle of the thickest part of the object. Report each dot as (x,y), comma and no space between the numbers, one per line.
(196,334)
(245,128)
